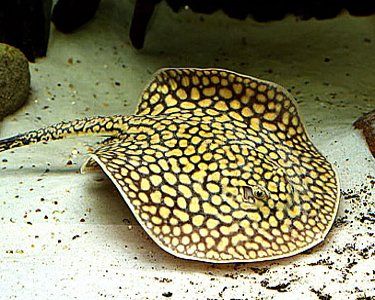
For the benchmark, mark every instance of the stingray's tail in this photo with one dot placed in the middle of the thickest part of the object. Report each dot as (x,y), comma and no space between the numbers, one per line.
(109,126)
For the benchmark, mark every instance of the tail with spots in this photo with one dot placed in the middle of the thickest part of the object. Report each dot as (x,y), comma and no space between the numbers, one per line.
(108,126)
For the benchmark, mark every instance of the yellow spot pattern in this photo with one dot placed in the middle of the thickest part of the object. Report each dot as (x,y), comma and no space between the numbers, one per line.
(215,166)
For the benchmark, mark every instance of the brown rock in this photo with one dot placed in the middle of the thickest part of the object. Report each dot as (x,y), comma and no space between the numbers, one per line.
(14,79)
(366,123)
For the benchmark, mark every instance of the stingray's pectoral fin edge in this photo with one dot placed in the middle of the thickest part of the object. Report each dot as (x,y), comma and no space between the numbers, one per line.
(127,201)
(90,165)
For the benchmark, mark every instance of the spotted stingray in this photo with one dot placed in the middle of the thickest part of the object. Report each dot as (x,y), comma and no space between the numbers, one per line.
(214,165)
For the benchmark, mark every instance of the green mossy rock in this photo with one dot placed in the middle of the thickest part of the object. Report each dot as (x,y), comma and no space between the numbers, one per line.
(14,79)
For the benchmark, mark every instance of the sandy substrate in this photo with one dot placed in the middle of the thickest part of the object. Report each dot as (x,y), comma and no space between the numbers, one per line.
(66,235)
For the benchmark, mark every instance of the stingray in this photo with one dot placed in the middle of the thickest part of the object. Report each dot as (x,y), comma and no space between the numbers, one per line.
(215,166)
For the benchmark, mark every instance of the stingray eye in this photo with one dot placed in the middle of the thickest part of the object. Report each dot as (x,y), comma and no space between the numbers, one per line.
(259,193)
(250,193)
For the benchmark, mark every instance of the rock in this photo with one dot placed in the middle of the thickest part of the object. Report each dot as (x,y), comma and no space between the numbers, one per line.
(366,123)
(14,79)
(25,24)
(68,15)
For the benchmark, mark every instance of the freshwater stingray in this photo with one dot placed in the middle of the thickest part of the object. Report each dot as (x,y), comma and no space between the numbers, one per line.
(214,165)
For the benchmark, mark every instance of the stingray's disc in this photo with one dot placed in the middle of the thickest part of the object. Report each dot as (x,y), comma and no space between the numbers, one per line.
(217,167)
